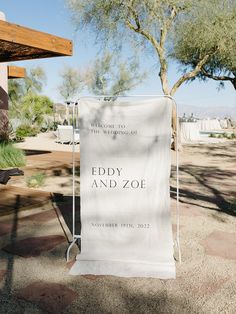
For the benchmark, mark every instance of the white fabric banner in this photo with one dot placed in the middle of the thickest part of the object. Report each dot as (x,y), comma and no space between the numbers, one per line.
(125,162)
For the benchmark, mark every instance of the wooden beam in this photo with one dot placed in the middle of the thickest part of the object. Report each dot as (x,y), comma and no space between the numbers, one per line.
(21,43)
(15,72)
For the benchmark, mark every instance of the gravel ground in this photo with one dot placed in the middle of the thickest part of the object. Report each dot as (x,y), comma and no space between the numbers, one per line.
(34,274)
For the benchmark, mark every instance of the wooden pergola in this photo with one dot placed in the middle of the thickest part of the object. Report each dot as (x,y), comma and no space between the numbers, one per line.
(14,72)
(21,43)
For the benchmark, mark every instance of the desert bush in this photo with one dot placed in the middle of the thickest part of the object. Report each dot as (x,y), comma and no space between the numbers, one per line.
(4,136)
(25,130)
(35,108)
(229,136)
(212,135)
(233,135)
(36,180)
(11,156)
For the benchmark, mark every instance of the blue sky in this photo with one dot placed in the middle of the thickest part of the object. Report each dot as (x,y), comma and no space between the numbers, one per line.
(53,17)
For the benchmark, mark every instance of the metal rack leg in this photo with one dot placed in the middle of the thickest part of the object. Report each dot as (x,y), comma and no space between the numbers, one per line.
(69,248)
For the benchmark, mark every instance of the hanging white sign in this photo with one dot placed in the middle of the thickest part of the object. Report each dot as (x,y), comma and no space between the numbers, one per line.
(125,199)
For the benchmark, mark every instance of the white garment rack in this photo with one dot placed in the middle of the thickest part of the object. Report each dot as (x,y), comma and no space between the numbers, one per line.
(75,114)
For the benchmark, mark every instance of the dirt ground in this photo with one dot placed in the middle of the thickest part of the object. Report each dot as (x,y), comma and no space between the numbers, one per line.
(34,275)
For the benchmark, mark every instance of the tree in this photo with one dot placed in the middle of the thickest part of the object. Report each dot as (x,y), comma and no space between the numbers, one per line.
(34,80)
(109,76)
(17,89)
(146,23)
(25,103)
(200,34)
(105,76)
(71,83)
(35,107)
(15,92)
(216,39)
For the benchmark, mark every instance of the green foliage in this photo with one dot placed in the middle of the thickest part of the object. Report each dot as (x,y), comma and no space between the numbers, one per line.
(25,130)
(11,156)
(15,90)
(199,34)
(229,136)
(108,20)
(109,76)
(33,82)
(71,83)
(144,25)
(34,107)
(36,180)
(233,136)
(209,30)
(19,90)
(213,135)
(4,136)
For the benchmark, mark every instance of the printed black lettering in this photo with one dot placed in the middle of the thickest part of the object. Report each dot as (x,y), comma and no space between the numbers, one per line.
(125,185)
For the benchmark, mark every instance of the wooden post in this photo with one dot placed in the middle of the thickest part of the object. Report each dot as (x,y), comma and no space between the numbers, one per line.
(174,126)
(174,122)
(3,97)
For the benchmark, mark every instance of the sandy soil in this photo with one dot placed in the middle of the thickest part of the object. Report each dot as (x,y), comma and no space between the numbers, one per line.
(45,141)
(206,280)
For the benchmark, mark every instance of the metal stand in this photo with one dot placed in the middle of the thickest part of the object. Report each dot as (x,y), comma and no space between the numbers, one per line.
(75,114)
(75,237)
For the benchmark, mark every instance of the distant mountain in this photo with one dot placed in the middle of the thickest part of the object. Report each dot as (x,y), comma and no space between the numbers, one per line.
(209,112)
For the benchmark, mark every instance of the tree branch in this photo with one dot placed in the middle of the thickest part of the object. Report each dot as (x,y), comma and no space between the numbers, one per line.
(220,77)
(159,46)
(123,90)
(160,52)
(190,74)
(153,41)
(216,77)
(135,15)
(173,15)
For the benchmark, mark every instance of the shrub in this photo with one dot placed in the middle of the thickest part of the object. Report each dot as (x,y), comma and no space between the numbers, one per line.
(35,107)
(4,136)
(36,180)
(11,156)
(232,136)
(25,130)
(212,135)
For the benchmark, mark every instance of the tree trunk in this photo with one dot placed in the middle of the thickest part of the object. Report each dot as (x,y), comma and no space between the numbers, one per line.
(174,127)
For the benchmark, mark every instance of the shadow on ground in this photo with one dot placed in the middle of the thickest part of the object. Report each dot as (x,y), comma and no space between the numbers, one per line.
(65,206)
(208,185)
